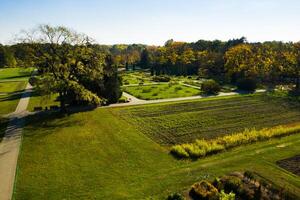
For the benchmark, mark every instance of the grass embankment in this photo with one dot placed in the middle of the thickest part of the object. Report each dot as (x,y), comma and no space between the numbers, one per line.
(97,155)
(201,148)
(184,122)
(161,91)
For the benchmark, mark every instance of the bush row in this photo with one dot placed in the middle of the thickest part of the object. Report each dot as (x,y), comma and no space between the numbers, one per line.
(201,148)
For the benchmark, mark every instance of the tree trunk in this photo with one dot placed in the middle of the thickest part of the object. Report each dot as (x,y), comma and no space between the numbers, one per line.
(62,102)
(298,84)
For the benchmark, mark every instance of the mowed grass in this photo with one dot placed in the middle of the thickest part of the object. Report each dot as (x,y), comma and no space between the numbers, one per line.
(37,100)
(161,91)
(11,94)
(182,122)
(10,87)
(97,155)
(15,74)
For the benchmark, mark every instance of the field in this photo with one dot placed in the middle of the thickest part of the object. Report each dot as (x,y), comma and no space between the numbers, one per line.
(161,91)
(181,122)
(97,155)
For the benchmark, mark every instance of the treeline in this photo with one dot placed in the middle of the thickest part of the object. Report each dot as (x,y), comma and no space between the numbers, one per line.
(232,61)
(235,61)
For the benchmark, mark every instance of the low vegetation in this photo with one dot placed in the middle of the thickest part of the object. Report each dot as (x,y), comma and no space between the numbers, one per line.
(161,91)
(201,148)
(246,186)
(135,78)
(184,122)
(98,155)
(210,87)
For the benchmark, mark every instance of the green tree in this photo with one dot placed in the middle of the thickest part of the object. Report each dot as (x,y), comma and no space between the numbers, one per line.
(69,65)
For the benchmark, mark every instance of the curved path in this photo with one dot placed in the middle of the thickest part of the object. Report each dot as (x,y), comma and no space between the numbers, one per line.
(9,147)
(135,101)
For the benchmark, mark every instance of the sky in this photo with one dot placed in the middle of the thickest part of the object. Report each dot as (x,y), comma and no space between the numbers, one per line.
(153,22)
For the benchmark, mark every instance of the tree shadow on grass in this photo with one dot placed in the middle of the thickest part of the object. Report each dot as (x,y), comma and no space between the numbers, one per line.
(10,97)
(48,123)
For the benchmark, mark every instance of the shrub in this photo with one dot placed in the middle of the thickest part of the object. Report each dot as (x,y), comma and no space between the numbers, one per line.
(175,196)
(204,190)
(210,87)
(249,175)
(161,78)
(179,151)
(224,196)
(231,183)
(204,147)
(177,88)
(146,90)
(194,151)
(247,85)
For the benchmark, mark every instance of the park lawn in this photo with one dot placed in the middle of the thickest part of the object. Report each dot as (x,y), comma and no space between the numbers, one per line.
(183,122)
(161,91)
(97,155)
(10,87)
(37,100)
(8,103)
(136,77)
(15,74)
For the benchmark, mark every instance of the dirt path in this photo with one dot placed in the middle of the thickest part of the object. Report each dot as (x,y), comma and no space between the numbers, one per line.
(9,147)
(135,101)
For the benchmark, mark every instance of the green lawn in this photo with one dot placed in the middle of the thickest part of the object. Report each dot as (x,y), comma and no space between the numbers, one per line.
(97,155)
(10,87)
(9,102)
(15,74)
(161,91)
(42,101)
(181,122)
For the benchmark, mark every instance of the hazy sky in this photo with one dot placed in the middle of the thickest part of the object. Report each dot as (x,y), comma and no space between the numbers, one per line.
(155,21)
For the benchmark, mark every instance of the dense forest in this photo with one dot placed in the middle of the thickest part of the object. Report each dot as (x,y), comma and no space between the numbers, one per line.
(232,61)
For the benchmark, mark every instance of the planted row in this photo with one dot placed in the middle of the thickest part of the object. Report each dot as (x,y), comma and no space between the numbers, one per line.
(201,148)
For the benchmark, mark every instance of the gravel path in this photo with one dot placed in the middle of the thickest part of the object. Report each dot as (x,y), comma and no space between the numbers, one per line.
(135,101)
(9,147)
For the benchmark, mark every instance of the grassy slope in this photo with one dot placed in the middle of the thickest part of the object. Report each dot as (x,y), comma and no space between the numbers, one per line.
(182,122)
(96,155)
(162,91)
(15,74)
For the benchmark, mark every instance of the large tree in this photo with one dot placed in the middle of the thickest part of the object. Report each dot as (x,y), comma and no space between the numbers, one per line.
(70,66)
